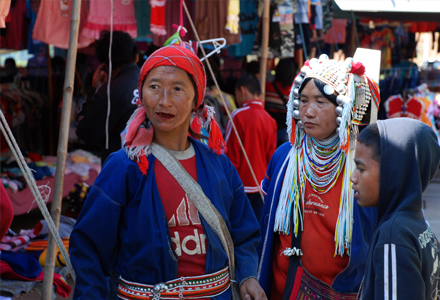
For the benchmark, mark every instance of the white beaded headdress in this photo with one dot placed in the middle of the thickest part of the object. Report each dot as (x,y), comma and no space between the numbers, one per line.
(356,93)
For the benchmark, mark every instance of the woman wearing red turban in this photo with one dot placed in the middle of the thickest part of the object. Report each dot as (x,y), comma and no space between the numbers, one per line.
(141,220)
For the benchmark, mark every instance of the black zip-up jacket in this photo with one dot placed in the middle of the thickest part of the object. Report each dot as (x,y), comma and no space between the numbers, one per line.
(403,259)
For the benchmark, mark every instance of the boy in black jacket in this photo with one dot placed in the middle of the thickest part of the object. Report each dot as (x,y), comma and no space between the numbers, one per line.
(395,160)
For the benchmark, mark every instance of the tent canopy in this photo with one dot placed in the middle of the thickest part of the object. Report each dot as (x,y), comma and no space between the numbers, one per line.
(402,10)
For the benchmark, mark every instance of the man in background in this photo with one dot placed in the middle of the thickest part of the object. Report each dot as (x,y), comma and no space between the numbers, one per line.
(98,123)
(258,134)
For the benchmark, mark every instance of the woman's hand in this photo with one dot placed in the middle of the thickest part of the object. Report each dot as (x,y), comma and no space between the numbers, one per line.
(251,289)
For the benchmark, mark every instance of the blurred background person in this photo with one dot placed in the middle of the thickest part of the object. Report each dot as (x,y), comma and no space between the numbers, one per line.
(277,95)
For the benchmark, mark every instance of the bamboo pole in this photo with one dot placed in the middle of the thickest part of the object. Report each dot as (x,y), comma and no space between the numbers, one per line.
(62,147)
(264,47)
(51,100)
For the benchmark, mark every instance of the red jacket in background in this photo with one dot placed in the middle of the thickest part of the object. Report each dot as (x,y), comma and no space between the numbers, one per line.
(258,133)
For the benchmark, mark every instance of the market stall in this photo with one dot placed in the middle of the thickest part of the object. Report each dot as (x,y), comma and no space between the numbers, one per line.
(291,29)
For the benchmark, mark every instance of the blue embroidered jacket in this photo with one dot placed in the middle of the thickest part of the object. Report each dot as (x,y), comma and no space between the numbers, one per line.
(350,278)
(123,225)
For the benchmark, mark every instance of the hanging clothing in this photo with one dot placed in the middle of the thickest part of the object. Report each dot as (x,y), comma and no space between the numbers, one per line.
(142,11)
(232,23)
(302,14)
(157,17)
(99,18)
(4,11)
(286,11)
(34,46)
(302,20)
(16,30)
(319,21)
(248,28)
(210,21)
(172,15)
(340,30)
(53,24)
(397,107)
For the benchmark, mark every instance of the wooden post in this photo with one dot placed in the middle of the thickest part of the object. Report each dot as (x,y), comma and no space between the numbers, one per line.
(51,100)
(62,147)
(264,47)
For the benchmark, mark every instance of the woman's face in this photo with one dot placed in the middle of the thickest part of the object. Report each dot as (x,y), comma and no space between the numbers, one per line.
(168,98)
(317,113)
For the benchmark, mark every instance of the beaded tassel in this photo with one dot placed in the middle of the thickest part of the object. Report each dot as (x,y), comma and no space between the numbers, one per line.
(292,191)
(344,224)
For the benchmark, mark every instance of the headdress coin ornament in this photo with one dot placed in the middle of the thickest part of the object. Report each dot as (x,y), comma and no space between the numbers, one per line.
(355,93)
(322,163)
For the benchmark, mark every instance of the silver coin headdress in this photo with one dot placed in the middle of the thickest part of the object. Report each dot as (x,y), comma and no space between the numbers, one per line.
(356,94)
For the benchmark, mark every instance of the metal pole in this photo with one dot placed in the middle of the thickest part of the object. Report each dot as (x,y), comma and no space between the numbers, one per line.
(264,47)
(62,147)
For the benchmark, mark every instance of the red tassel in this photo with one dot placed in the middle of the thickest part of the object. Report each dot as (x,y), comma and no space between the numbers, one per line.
(358,68)
(306,63)
(143,164)
(196,125)
(292,134)
(216,142)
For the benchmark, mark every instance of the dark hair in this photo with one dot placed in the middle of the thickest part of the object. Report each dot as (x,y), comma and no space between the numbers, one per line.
(285,72)
(10,62)
(370,138)
(124,49)
(252,67)
(320,85)
(250,82)
(58,65)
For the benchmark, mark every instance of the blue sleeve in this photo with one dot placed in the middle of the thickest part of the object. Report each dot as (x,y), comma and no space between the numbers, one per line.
(93,242)
(245,231)
(267,178)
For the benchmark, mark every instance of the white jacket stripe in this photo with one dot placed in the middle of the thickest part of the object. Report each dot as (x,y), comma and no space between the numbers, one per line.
(394,266)
(385,270)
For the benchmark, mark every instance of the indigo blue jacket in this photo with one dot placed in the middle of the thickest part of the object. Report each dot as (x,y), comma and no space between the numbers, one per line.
(350,278)
(123,225)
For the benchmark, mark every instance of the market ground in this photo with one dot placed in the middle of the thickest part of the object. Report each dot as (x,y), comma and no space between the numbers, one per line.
(431,203)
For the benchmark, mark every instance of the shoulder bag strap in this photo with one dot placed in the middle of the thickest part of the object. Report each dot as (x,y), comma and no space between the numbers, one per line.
(202,203)
(279,93)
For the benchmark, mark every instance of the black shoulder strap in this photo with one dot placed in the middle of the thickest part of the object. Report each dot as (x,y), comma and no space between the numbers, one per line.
(279,93)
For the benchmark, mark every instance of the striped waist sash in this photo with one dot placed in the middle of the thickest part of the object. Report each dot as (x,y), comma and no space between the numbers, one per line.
(195,287)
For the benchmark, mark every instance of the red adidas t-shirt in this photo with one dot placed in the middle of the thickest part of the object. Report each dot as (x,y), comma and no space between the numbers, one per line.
(317,240)
(186,230)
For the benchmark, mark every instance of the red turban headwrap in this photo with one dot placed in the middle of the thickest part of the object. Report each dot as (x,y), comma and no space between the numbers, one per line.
(181,58)
(139,135)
